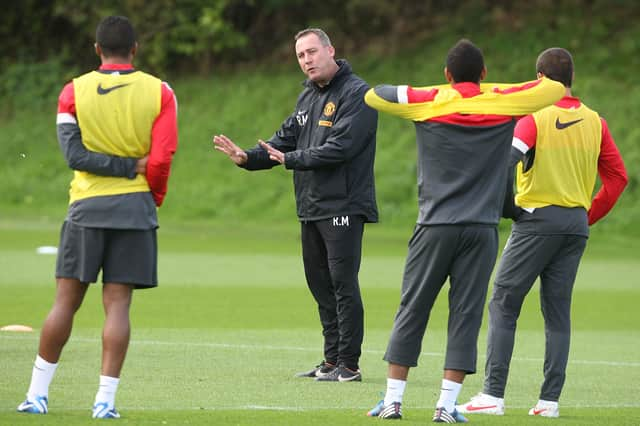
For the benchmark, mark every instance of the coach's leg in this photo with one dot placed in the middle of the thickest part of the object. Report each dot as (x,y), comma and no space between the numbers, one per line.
(556,287)
(343,238)
(316,269)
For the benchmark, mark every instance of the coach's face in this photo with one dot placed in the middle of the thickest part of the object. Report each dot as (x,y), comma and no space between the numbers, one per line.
(316,61)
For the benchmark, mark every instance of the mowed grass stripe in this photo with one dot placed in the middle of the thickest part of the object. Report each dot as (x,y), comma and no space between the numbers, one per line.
(219,341)
(235,346)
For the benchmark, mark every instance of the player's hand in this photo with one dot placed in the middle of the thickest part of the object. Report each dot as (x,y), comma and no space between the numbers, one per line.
(141,165)
(274,154)
(233,151)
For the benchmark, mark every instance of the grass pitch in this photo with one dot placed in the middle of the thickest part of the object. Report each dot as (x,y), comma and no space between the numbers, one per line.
(232,321)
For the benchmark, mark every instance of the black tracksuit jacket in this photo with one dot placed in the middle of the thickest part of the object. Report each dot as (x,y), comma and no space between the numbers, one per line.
(329,142)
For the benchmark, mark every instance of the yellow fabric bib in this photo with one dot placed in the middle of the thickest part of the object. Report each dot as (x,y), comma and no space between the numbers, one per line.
(566,159)
(115,113)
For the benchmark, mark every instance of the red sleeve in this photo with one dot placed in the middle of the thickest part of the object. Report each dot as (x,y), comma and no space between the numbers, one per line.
(517,88)
(67,100)
(164,142)
(613,177)
(526,131)
(415,96)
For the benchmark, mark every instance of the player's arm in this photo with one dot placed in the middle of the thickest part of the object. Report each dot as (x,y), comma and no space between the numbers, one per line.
(613,177)
(77,156)
(164,142)
(404,101)
(496,99)
(350,130)
(524,141)
(522,98)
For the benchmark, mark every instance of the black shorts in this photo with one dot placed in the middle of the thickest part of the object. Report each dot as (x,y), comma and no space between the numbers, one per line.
(125,256)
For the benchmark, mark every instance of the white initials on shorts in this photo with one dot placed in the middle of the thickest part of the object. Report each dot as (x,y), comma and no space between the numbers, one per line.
(341,221)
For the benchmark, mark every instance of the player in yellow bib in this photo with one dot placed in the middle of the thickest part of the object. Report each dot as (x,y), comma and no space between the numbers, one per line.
(117,129)
(559,151)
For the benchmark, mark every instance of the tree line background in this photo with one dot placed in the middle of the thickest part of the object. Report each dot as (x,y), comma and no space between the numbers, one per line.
(43,38)
(220,53)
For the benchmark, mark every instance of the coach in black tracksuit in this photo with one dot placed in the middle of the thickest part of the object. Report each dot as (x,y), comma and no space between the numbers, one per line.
(329,143)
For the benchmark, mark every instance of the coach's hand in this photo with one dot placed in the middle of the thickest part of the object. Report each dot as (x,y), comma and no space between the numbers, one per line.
(226,145)
(274,154)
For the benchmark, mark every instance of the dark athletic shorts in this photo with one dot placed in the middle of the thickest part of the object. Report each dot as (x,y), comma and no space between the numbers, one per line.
(125,256)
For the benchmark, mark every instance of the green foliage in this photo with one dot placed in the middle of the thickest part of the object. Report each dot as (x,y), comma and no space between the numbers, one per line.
(172,34)
(31,86)
(249,102)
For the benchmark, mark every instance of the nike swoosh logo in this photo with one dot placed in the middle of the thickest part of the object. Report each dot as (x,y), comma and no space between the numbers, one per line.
(346,379)
(560,125)
(105,90)
(536,412)
(479,407)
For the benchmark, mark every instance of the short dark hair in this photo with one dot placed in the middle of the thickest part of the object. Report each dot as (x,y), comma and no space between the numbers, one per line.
(115,36)
(324,38)
(557,64)
(465,62)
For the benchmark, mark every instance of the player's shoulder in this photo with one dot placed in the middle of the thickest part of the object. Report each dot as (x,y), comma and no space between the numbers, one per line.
(166,87)
(67,94)
(143,74)
(589,109)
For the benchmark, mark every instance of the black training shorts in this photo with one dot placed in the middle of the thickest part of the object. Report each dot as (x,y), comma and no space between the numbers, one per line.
(125,256)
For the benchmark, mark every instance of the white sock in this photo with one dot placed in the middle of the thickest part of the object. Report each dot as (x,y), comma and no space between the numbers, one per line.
(395,390)
(107,390)
(448,395)
(41,377)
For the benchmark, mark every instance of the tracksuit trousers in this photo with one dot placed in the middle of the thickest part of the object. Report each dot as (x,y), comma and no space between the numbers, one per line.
(555,259)
(463,254)
(331,252)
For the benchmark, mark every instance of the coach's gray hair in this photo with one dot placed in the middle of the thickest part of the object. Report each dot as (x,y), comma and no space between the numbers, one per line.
(324,38)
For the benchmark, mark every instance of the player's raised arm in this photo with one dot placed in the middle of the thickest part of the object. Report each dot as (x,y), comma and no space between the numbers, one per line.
(419,104)
(399,100)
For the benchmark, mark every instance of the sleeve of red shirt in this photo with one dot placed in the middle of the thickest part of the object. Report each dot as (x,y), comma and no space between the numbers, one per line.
(67,101)
(164,142)
(526,131)
(613,177)
(415,96)
(515,89)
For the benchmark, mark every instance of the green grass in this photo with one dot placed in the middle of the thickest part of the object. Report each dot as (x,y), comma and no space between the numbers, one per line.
(219,340)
